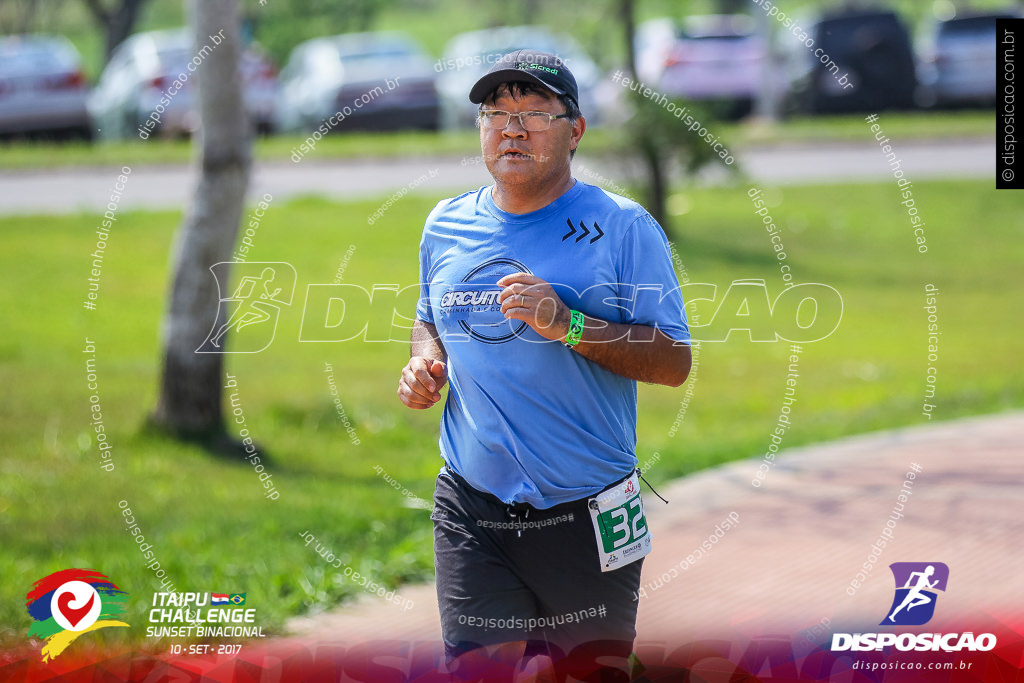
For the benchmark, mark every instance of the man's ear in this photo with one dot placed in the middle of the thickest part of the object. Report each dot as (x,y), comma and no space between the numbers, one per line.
(578,128)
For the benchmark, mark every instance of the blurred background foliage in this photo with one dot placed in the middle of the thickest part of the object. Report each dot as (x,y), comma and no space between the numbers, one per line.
(279,25)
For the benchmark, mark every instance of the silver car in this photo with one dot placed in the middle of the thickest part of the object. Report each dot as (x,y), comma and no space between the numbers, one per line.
(42,86)
(380,81)
(147,88)
(957,64)
(719,58)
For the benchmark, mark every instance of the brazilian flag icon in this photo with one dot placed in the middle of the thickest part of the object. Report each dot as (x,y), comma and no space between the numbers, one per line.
(237,598)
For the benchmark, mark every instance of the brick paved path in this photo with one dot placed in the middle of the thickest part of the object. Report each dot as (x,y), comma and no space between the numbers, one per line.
(802,538)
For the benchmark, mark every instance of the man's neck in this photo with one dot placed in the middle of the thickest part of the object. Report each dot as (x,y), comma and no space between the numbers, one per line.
(524,199)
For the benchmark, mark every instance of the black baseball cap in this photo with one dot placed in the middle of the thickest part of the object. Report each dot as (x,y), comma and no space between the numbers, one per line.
(542,68)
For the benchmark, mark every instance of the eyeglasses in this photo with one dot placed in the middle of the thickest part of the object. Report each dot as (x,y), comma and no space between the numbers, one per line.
(532,121)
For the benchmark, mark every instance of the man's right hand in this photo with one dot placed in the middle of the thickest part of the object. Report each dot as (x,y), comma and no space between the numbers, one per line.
(422,379)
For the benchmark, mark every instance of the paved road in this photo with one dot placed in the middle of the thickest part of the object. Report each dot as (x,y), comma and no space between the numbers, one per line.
(169,187)
(801,539)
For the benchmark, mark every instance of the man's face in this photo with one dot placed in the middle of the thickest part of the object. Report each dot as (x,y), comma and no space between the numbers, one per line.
(517,156)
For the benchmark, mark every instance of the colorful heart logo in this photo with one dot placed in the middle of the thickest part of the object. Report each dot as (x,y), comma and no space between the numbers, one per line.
(69,603)
(72,614)
(75,605)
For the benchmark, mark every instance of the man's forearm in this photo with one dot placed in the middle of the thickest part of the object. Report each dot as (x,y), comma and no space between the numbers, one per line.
(639,352)
(426,342)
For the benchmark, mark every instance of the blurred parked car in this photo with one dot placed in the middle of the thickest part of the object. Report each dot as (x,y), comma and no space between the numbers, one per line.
(957,63)
(871,49)
(718,58)
(42,86)
(145,66)
(468,56)
(653,40)
(325,76)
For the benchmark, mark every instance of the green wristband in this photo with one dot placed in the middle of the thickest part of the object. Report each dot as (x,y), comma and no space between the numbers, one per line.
(575,329)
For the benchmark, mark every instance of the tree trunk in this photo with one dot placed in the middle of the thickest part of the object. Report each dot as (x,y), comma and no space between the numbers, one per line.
(121,25)
(627,13)
(650,150)
(17,16)
(190,395)
(656,188)
(118,23)
(767,105)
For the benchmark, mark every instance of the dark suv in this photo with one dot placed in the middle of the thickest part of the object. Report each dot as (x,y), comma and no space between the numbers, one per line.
(872,49)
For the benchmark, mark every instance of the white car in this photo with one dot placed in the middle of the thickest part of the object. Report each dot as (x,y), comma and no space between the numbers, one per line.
(653,41)
(142,70)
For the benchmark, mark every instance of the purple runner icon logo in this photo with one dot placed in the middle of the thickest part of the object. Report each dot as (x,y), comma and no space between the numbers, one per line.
(916,583)
(250,313)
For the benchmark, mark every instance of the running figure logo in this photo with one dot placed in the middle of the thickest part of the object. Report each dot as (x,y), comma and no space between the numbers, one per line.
(916,582)
(253,306)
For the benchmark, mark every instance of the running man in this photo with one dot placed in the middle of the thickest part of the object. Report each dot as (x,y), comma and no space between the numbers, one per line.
(250,310)
(915,597)
(544,300)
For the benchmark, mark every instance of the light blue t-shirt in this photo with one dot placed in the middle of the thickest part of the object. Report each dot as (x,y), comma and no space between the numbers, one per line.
(528,419)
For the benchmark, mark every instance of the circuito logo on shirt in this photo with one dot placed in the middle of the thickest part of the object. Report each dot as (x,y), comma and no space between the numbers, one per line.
(473,302)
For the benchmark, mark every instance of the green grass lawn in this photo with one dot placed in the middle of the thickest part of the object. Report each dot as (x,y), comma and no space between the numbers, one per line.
(599,141)
(211,527)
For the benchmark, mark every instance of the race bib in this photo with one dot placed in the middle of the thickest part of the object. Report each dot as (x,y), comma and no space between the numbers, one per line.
(620,524)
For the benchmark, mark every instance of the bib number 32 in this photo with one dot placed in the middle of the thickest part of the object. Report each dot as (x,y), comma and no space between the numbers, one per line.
(620,525)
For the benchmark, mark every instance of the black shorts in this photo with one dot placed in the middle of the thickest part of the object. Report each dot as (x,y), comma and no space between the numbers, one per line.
(514,572)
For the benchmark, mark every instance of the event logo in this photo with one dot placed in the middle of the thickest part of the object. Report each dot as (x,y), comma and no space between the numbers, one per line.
(916,582)
(914,605)
(201,614)
(71,602)
(254,305)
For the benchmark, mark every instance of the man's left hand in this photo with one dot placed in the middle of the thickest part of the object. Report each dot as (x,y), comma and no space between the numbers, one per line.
(528,298)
